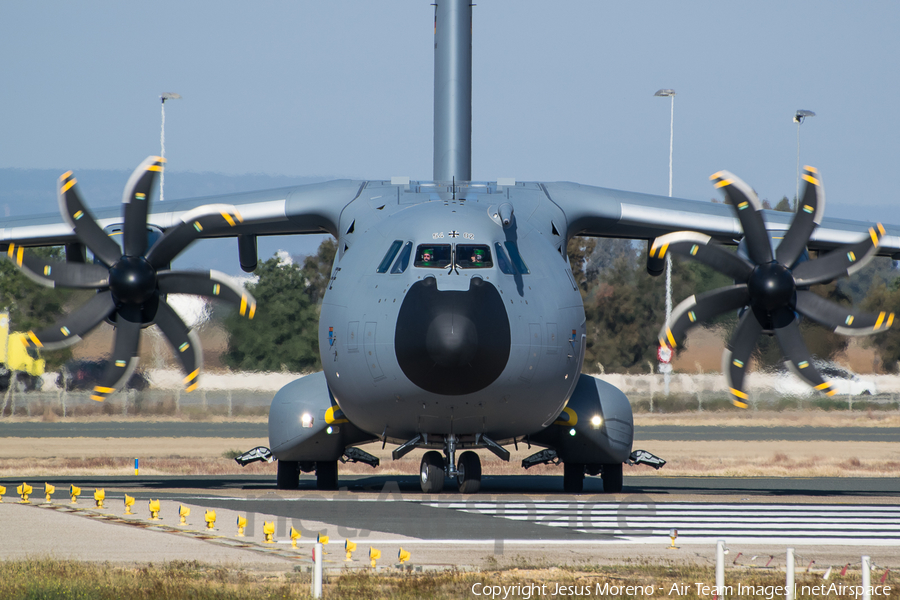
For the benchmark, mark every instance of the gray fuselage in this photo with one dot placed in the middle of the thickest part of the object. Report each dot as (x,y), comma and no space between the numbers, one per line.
(492,346)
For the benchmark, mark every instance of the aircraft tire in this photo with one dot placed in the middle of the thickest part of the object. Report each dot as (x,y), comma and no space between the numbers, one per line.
(612,478)
(327,475)
(573,478)
(431,472)
(469,469)
(288,475)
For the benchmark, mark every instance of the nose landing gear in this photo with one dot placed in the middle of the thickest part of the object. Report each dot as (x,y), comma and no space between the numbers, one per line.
(434,468)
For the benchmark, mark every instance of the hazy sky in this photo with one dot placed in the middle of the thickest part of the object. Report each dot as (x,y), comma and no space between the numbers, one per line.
(562,91)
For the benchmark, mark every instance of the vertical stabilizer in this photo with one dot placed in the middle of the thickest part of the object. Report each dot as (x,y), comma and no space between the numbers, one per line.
(453,90)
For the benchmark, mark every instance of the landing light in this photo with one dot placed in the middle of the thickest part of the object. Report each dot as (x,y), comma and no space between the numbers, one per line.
(596,421)
(306,420)
(332,429)
(572,432)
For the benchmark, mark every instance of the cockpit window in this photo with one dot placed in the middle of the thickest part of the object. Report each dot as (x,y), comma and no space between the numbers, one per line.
(435,256)
(473,256)
(389,257)
(503,261)
(520,265)
(402,260)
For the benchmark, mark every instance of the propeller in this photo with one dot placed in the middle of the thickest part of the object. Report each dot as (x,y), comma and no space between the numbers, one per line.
(773,286)
(133,280)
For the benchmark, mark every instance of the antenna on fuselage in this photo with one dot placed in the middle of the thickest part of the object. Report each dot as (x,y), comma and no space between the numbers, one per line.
(453,90)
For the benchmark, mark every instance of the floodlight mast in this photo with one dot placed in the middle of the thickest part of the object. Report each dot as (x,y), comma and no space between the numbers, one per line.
(666,93)
(162,136)
(666,368)
(799,116)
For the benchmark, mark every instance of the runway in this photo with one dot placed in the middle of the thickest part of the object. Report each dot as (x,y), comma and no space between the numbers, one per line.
(165,429)
(531,507)
(834,519)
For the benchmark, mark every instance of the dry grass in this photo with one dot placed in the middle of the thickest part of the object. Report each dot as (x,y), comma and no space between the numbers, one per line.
(713,459)
(49,578)
(787,418)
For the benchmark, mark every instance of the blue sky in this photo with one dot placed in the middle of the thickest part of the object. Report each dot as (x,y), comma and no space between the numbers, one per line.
(562,91)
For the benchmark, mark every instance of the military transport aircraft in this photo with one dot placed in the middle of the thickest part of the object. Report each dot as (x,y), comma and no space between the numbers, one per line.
(452,321)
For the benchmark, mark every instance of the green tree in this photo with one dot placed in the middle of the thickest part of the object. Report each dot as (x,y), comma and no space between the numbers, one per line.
(34,307)
(626,309)
(885,297)
(317,270)
(784,205)
(284,332)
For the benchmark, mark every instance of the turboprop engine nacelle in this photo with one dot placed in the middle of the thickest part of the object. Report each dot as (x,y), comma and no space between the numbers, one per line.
(307,425)
(595,428)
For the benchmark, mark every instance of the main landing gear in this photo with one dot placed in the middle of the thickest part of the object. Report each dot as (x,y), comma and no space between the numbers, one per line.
(610,475)
(434,468)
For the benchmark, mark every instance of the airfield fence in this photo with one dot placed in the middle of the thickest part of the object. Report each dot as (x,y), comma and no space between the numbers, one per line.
(155,402)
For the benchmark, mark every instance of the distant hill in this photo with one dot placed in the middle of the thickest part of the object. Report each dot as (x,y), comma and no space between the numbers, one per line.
(33,191)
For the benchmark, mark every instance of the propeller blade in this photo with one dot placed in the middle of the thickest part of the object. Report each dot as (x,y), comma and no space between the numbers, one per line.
(73,326)
(136,200)
(747,206)
(184,341)
(124,358)
(797,356)
(702,248)
(193,223)
(841,262)
(82,221)
(51,273)
(211,284)
(737,354)
(698,309)
(809,214)
(839,318)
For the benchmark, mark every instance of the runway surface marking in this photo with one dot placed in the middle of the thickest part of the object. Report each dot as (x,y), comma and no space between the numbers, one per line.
(752,522)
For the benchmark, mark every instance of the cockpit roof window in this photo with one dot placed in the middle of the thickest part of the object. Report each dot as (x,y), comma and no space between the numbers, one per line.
(434,256)
(473,256)
(402,260)
(385,263)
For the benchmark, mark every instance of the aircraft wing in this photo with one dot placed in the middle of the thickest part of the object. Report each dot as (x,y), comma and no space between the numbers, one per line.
(314,208)
(603,212)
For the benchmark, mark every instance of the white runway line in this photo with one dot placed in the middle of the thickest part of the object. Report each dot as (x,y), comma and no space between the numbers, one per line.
(700,523)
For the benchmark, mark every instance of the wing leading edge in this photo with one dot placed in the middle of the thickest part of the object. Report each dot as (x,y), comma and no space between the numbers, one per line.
(603,212)
(313,208)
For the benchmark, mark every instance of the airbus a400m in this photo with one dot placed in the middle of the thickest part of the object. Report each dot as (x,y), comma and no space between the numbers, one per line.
(452,321)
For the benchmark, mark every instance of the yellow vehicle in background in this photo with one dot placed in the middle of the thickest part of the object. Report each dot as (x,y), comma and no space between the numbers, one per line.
(19,364)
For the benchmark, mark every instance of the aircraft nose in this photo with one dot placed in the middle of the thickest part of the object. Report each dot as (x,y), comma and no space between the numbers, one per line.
(454,342)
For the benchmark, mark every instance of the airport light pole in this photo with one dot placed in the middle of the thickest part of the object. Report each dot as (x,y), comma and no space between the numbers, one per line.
(666,368)
(669,94)
(162,137)
(798,119)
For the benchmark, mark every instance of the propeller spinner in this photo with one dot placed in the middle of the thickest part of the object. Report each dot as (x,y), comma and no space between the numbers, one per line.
(132,281)
(774,288)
